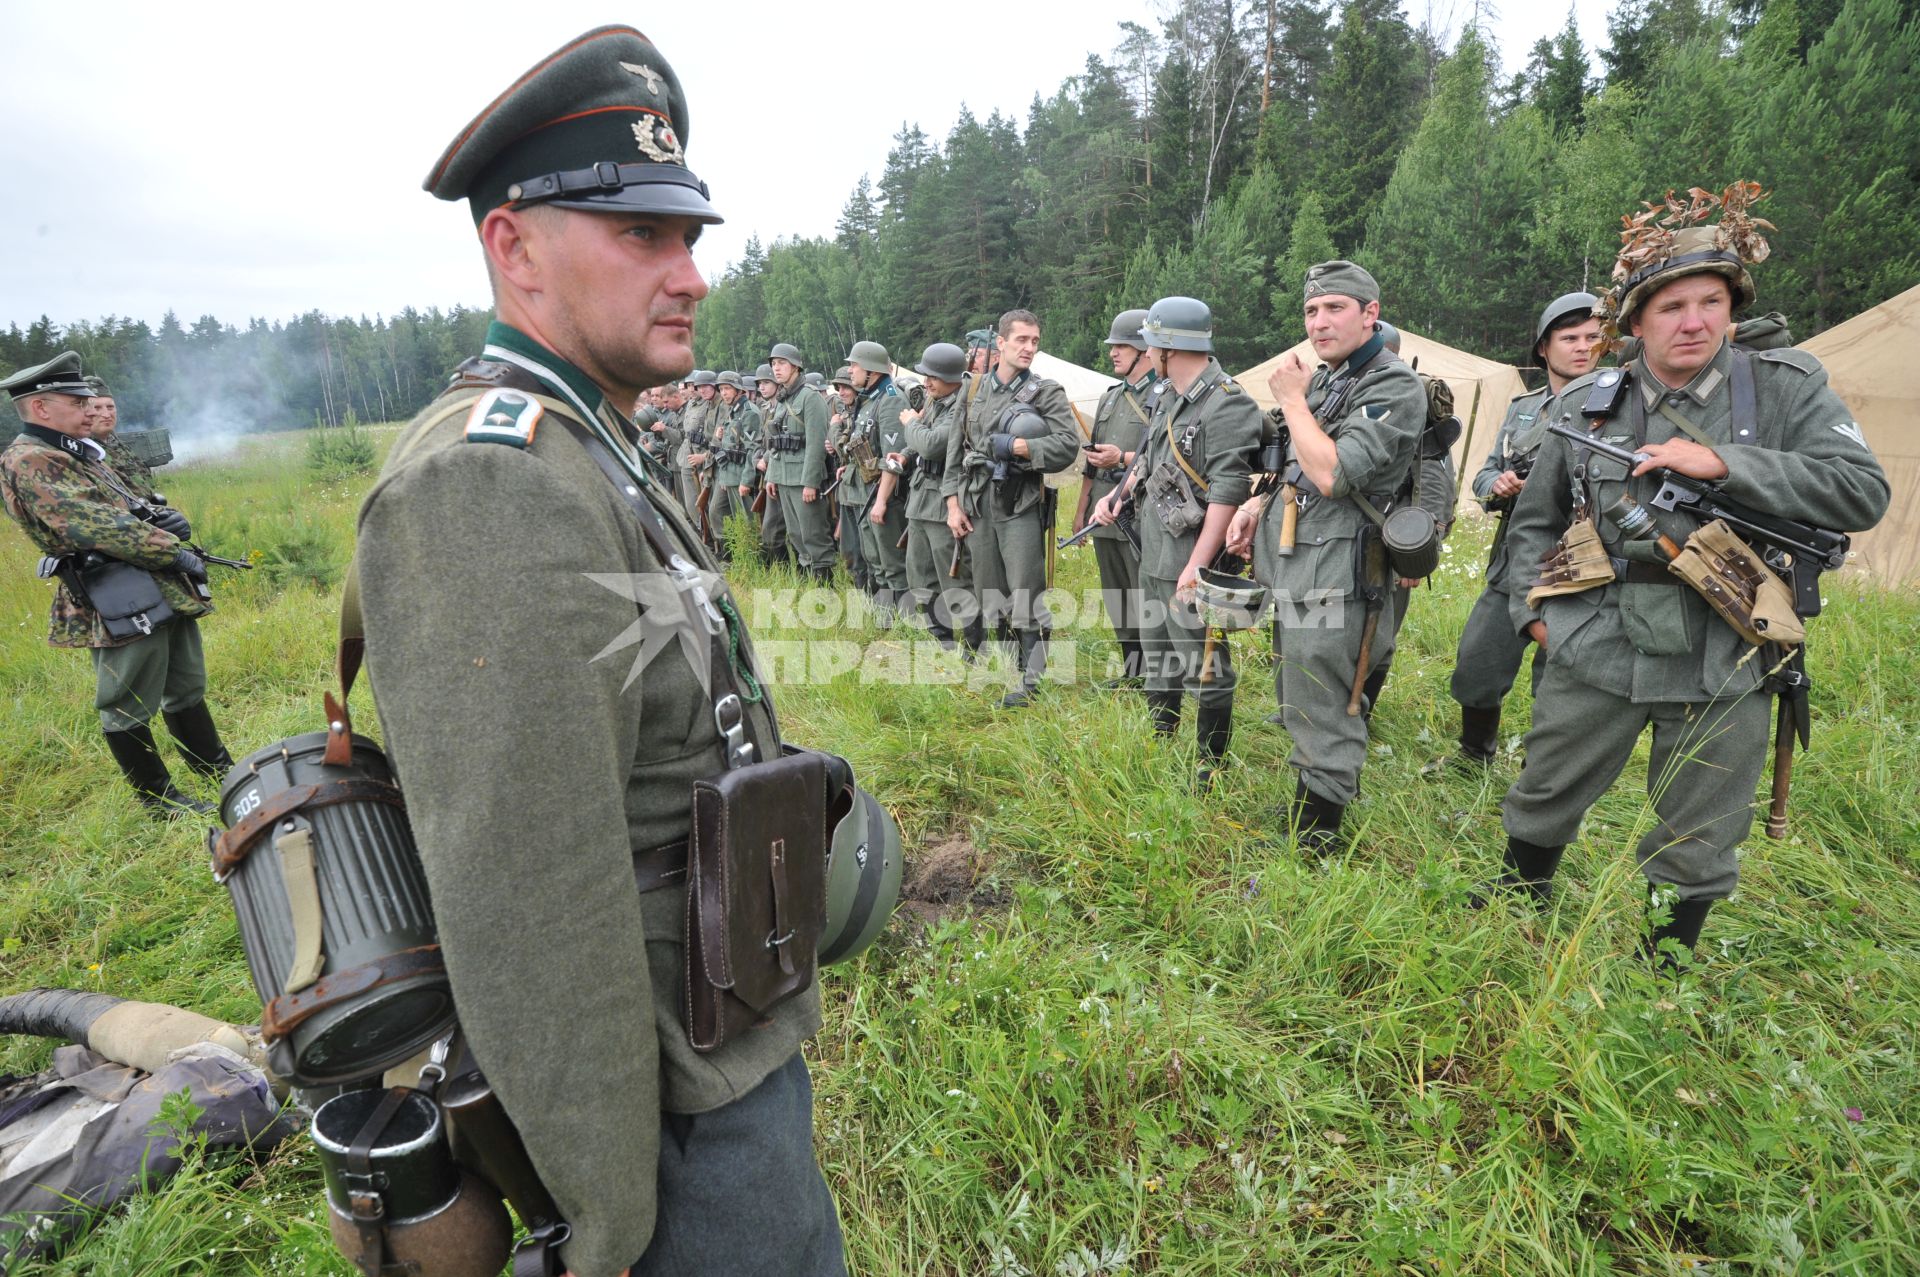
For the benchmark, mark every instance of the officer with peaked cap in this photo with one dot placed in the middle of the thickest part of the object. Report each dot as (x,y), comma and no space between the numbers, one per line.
(1119,423)
(1643,649)
(58,486)
(1566,341)
(1354,426)
(547,764)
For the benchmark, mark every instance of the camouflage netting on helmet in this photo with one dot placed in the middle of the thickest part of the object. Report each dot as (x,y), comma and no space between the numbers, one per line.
(1672,237)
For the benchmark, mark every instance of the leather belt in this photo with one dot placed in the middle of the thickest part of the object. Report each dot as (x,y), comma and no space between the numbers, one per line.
(658,867)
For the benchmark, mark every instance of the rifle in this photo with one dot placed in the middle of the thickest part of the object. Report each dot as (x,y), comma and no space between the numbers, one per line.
(200,588)
(1125,516)
(1521,468)
(1798,552)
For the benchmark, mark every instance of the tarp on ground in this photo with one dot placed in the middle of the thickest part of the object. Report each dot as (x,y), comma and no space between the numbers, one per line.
(1871,362)
(1482,389)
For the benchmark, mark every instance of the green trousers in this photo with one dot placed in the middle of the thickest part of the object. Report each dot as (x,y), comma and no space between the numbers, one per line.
(1120,587)
(773,526)
(727,503)
(947,599)
(880,546)
(1316,649)
(1705,762)
(1490,654)
(807,529)
(165,671)
(1173,644)
(1010,566)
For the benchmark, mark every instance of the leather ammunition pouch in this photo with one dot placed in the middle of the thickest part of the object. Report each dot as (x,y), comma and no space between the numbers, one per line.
(127,598)
(1578,562)
(1174,501)
(1730,575)
(860,452)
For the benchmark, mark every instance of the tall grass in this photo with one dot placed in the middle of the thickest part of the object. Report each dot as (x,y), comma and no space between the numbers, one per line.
(1177,1047)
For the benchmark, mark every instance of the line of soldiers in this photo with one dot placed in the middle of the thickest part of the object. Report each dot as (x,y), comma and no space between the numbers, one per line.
(88,502)
(1306,495)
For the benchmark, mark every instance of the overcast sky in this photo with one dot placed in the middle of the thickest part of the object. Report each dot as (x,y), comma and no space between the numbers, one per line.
(248,160)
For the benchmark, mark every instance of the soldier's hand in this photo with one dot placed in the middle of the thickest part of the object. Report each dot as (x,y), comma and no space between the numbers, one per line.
(1240,531)
(745,491)
(1189,578)
(809,495)
(1103,513)
(190,564)
(958,523)
(878,514)
(170,521)
(1409,582)
(1683,456)
(760,464)
(1289,380)
(908,416)
(1537,631)
(1508,484)
(1104,456)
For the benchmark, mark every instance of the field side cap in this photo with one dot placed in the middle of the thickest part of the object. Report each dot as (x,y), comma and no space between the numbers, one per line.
(944,360)
(58,376)
(1565,306)
(788,352)
(599,124)
(1126,329)
(870,355)
(1178,323)
(980,339)
(98,386)
(1341,278)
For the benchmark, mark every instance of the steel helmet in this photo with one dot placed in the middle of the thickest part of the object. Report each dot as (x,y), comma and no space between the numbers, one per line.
(815,380)
(703,377)
(1178,323)
(1389,335)
(1695,250)
(763,373)
(1562,307)
(788,352)
(863,868)
(944,360)
(1126,329)
(732,379)
(870,355)
(843,376)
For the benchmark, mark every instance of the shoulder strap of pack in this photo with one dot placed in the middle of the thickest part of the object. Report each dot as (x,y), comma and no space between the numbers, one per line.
(1746,411)
(1174,448)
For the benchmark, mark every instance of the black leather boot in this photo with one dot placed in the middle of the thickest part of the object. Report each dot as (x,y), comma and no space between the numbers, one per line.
(199,741)
(1376,683)
(1315,821)
(1529,868)
(1164,709)
(972,635)
(1213,732)
(1132,668)
(1684,927)
(1032,646)
(1479,734)
(141,764)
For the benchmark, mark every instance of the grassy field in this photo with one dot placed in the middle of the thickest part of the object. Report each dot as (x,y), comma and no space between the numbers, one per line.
(1129,1034)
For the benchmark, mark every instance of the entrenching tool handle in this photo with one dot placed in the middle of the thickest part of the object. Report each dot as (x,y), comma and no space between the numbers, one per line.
(1366,659)
(1206,655)
(1782,770)
(1289,520)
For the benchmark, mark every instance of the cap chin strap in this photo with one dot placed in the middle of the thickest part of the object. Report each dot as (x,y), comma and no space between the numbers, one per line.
(601,179)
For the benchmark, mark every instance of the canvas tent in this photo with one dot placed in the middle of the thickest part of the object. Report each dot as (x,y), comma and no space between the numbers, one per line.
(1084,387)
(1870,361)
(1482,389)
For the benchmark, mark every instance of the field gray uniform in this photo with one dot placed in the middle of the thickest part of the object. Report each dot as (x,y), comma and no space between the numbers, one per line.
(948,600)
(1217,429)
(878,418)
(1121,420)
(1009,539)
(1490,648)
(1647,648)
(850,497)
(695,421)
(1321,610)
(799,414)
(740,433)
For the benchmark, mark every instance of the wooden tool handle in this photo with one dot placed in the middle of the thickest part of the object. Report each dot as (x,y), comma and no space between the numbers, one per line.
(1206,655)
(1289,520)
(1360,670)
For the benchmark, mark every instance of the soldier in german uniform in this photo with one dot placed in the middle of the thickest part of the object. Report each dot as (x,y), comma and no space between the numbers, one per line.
(876,427)
(103,421)
(937,569)
(1195,470)
(796,434)
(58,486)
(1566,338)
(736,442)
(689,459)
(1354,426)
(773,521)
(1641,647)
(841,404)
(1119,423)
(542,781)
(1018,430)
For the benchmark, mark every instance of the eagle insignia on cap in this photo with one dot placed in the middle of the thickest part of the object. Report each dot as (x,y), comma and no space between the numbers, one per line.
(658,142)
(647,73)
